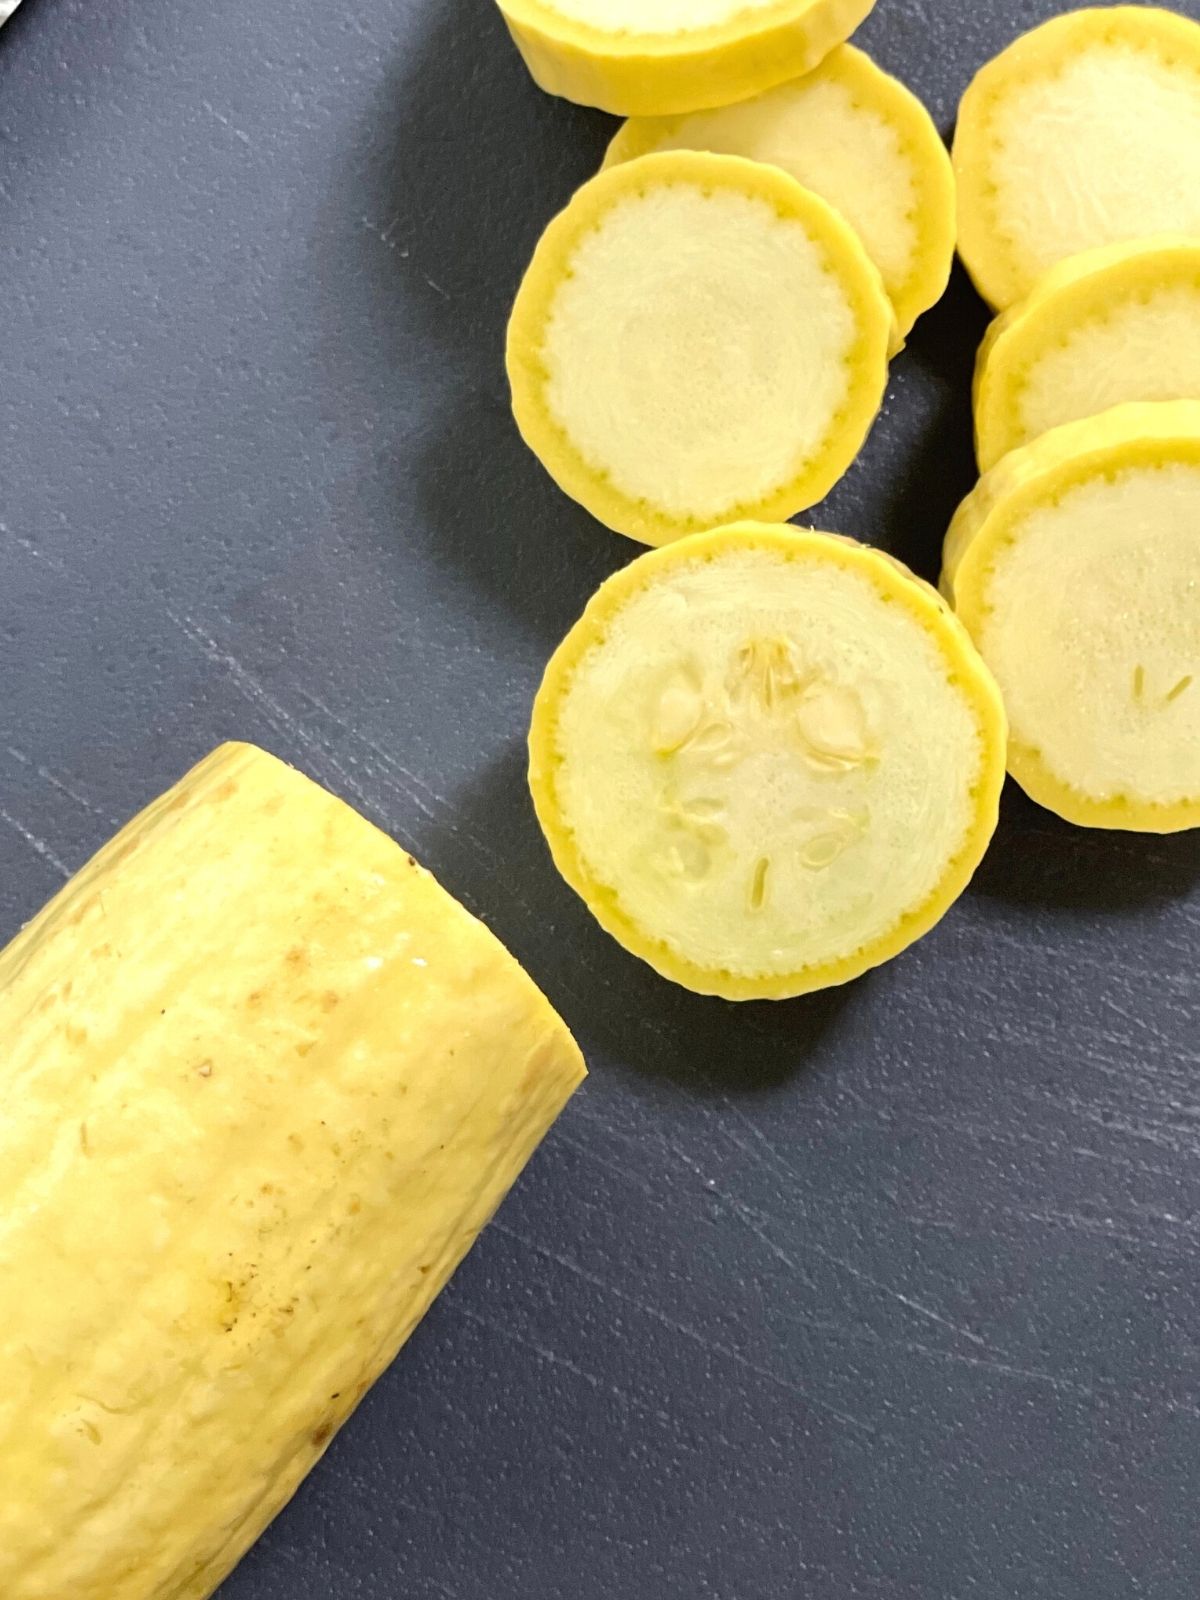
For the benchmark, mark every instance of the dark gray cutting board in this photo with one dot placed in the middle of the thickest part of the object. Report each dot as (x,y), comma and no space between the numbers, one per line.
(888,1293)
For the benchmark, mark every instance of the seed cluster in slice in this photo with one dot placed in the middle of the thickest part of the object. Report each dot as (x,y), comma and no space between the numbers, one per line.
(858,138)
(1115,324)
(1083,133)
(698,339)
(767,759)
(658,57)
(1075,565)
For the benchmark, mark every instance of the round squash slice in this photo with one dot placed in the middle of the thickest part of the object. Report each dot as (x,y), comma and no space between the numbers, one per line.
(858,138)
(698,339)
(1083,133)
(650,58)
(1115,324)
(767,759)
(1075,566)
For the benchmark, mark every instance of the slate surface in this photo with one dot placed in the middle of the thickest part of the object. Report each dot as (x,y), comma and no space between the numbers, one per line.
(888,1293)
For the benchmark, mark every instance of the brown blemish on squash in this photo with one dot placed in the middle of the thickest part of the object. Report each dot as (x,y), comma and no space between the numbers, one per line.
(330,1000)
(297,956)
(322,1435)
(227,790)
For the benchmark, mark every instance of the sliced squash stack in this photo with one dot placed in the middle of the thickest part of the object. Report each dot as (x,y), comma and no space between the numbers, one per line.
(1114,324)
(658,57)
(767,759)
(1075,564)
(699,338)
(704,332)
(858,138)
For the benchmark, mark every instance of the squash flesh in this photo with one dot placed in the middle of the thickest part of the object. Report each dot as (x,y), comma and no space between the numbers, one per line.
(697,338)
(264,1083)
(1113,325)
(859,139)
(767,760)
(1074,566)
(1083,133)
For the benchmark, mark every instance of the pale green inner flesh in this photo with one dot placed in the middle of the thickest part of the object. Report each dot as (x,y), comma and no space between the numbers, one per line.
(836,145)
(1146,346)
(697,354)
(1107,148)
(655,16)
(766,762)
(1092,627)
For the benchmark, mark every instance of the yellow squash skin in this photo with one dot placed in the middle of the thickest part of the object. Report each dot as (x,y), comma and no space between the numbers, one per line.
(811,473)
(263,1082)
(1095,452)
(659,74)
(861,140)
(1148,289)
(897,587)
(1084,132)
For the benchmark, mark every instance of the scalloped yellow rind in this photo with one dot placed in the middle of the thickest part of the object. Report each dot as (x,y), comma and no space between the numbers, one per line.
(861,140)
(1091,453)
(1112,325)
(894,584)
(263,1082)
(1084,132)
(646,74)
(843,259)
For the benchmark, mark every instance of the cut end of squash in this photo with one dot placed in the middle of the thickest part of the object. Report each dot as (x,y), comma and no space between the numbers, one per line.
(1075,566)
(1083,133)
(661,57)
(697,339)
(767,760)
(859,139)
(1116,324)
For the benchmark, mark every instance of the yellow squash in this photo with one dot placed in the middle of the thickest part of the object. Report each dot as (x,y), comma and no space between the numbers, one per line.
(767,759)
(652,58)
(1114,324)
(262,1084)
(1083,133)
(697,338)
(1075,566)
(857,137)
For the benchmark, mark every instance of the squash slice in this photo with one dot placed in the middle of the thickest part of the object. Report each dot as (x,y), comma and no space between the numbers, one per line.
(262,1083)
(1083,133)
(650,58)
(858,138)
(698,338)
(767,759)
(1115,324)
(1075,566)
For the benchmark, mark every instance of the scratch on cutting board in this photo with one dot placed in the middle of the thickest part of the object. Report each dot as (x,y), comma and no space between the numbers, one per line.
(744,1214)
(38,846)
(557,1359)
(31,549)
(713,1346)
(424,798)
(626,1174)
(48,777)
(384,235)
(272,712)
(238,133)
